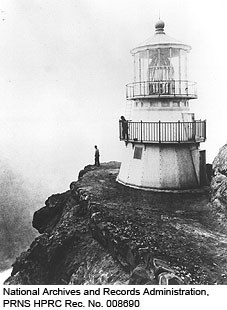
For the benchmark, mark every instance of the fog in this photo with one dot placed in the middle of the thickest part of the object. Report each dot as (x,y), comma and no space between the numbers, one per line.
(64,66)
(4,275)
(18,201)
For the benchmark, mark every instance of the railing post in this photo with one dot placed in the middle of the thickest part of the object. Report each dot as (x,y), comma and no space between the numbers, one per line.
(194,131)
(178,131)
(205,130)
(141,131)
(120,131)
(159,131)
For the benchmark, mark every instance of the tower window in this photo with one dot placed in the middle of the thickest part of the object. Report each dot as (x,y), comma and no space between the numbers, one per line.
(165,104)
(176,104)
(138,152)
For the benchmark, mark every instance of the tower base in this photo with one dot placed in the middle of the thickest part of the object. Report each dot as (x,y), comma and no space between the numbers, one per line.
(162,166)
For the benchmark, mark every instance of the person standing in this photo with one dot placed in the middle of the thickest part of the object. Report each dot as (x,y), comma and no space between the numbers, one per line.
(97,155)
(124,123)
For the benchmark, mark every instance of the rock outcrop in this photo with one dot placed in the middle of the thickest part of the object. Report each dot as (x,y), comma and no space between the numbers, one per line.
(219,190)
(100,232)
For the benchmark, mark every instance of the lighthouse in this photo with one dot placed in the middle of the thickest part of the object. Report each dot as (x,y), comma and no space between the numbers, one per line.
(161,136)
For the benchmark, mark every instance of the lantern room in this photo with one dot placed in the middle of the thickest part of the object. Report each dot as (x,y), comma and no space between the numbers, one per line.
(160,67)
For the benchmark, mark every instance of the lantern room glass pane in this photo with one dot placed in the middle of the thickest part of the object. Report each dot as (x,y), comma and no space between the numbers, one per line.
(179,63)
(175,63)
(136,70)
(160,67)
(161,64)
(183,65)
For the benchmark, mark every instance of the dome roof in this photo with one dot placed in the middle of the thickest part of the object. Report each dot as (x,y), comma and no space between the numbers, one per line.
(160,40)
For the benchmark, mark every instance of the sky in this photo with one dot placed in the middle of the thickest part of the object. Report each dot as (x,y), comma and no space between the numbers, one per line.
(63,70)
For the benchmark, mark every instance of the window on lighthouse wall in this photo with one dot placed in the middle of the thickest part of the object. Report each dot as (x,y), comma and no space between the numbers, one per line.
(138,152)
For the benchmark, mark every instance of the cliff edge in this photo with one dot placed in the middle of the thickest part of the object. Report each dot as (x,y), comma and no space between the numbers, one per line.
(219,190)
(101,232)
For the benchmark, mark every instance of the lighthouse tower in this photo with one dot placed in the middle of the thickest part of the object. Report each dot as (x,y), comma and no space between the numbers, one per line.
(161,136)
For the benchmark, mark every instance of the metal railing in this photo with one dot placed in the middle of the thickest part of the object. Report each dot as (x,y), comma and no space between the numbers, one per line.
(166,88)
(163,132)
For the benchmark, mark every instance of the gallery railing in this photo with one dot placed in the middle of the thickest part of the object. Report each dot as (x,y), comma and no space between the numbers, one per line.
(167,88)
(163,132)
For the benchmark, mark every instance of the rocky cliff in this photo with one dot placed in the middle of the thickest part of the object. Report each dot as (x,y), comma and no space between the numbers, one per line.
(100,232)
(219,190)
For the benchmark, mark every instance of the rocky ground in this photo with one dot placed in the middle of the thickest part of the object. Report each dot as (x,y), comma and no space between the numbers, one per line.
(101,232)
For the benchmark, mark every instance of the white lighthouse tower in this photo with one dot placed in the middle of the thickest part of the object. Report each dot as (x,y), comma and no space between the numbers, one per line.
(162,138)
